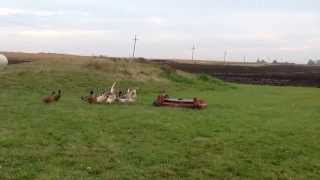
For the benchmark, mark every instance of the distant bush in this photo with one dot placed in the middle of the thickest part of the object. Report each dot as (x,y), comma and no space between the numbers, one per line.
(202,81)
(208,78)
(311,62)
(203,77)
(172,75)
(103,57)
(94,65)
(166,69)
(141,60)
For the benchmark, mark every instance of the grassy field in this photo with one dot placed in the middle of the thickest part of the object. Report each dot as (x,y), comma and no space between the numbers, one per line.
(247,132)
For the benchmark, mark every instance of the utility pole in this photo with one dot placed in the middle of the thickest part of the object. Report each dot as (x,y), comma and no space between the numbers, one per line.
(245,59)
(225,57)
(193,51)
(134,45)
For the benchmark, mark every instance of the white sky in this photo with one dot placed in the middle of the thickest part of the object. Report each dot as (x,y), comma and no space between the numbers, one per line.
(288,30)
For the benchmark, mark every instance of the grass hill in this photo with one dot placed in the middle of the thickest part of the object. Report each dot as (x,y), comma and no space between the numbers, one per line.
(247,132)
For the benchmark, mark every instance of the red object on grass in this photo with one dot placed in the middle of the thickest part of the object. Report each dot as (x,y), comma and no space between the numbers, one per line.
(195,103)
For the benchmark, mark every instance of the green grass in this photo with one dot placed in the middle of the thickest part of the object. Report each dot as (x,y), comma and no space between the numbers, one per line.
(247,132)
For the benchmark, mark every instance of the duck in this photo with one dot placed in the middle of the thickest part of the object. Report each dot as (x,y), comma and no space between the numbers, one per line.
(102,98)
(129,97)
(111,98)
(91,99)
(58,96)
(49,99)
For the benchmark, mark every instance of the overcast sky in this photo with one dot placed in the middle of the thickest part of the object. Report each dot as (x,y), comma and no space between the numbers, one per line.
(271,29)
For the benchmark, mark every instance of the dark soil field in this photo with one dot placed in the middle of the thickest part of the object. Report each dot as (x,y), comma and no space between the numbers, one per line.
(279,75)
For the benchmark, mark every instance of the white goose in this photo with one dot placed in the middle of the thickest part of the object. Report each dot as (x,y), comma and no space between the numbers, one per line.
(111,95)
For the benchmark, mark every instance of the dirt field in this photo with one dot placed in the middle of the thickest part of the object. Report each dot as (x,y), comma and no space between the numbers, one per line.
(280,75)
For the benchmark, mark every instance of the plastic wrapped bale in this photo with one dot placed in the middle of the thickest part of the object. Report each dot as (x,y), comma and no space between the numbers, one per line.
(3,60)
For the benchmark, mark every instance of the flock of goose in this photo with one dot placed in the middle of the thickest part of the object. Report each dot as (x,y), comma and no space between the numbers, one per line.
(107,97)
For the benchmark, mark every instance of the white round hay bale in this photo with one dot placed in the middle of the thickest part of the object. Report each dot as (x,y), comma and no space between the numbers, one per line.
(3,60)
